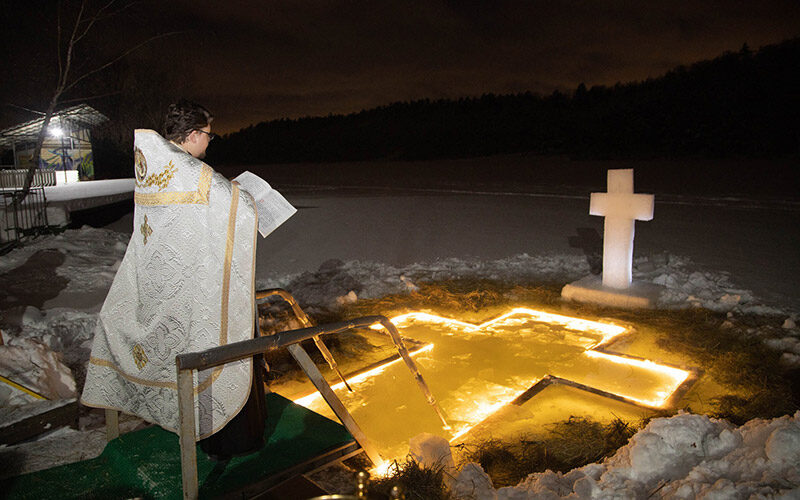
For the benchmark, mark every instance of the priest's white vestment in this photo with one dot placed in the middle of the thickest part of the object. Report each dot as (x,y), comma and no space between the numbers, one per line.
(186,284)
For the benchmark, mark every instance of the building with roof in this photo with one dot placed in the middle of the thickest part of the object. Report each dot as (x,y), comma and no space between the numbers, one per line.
(67,149)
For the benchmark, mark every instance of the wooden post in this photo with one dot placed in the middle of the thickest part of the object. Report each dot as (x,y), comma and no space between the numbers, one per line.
(112,424)
(186,435)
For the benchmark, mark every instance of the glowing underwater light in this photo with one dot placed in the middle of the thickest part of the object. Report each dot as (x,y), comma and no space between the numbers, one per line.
(606,330)
(677,375)
(381,469)
(484,411)
(356,379)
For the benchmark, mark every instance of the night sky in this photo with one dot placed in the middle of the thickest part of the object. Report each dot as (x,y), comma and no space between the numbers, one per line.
(254,61)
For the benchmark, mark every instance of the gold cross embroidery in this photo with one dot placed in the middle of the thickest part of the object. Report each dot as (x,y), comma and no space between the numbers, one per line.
(146,230)
(139,357)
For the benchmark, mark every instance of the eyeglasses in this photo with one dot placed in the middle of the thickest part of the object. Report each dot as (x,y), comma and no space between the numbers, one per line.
(211,135)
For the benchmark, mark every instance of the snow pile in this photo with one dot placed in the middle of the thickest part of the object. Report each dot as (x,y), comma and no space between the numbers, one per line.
(790,347)
(335,279)
(685,286)
(93,255)
(34,366)
(66,323)
(686,456)
(339,283)
(473,483)
(66,331)
(432,451)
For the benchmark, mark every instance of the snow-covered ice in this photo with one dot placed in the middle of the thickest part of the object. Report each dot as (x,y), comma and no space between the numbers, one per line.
(345,246)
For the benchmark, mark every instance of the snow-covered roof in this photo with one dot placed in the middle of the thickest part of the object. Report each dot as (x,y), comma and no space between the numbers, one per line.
(80,116)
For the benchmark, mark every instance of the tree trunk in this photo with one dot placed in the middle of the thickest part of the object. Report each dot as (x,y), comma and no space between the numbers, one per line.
(37,152)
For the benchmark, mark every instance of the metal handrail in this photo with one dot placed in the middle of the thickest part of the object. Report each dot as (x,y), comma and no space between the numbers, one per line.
(306,321)
(239,350)
(393,334)
(291,339)
(187,362)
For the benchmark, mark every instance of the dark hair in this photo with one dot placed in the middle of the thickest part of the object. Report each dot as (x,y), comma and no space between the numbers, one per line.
(183,117)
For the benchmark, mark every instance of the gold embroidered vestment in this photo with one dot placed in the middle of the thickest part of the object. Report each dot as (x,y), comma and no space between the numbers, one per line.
(184,285)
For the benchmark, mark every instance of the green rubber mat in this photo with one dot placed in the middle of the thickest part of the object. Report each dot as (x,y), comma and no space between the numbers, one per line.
(147,463)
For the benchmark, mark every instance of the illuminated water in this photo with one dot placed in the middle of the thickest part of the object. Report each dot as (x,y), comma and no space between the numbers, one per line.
(475,370)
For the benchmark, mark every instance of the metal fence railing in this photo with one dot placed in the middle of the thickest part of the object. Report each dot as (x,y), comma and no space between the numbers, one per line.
(15,178)
(18,220)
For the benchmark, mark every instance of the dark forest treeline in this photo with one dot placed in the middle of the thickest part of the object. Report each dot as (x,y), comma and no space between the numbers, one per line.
(741,104)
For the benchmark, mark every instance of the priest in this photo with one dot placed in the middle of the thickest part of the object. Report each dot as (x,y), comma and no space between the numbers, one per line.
(186,284)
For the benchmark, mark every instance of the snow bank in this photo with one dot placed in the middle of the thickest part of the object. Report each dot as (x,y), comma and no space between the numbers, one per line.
(65,331)
(686,456)
(335,279)
(685,285)
(36,367)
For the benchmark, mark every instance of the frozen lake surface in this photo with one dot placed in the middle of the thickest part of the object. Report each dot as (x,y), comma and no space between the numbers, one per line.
(756,243)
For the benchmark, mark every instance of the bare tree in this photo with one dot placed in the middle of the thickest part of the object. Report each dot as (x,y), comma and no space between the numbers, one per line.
(67,39)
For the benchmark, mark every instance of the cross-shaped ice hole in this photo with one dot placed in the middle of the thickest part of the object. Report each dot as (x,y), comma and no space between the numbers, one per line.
(475,369)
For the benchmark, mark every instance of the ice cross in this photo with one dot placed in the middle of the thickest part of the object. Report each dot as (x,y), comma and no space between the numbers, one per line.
(621,207)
